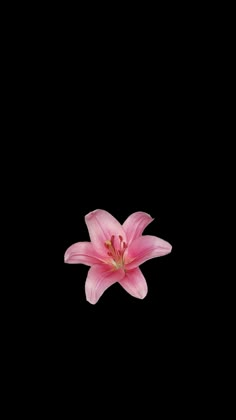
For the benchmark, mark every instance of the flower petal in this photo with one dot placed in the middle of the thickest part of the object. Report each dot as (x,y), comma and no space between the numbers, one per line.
(101,226)
(135,225)
(100,277)
(134,283)
(81,253)
(144,248)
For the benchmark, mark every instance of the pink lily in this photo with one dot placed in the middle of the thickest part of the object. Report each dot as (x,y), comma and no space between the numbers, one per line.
(115,253)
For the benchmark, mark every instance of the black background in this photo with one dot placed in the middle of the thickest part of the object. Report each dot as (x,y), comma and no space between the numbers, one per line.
(113,113)
(114,125)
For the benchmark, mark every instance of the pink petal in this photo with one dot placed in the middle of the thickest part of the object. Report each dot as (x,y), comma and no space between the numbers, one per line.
(134,283)
(101,226)
(135,225)
(100,277)
(144,248)
(81,253)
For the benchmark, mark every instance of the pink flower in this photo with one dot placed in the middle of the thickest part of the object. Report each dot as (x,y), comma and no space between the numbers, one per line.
(115,253)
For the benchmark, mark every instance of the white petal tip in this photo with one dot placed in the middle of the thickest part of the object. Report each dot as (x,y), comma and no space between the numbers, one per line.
(91,297)
(92,302)
(169,248)
(142,294)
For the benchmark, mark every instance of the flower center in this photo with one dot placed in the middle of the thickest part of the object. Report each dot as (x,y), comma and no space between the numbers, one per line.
(117,255)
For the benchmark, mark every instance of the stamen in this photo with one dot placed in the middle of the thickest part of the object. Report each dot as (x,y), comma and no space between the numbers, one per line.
(116,254)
